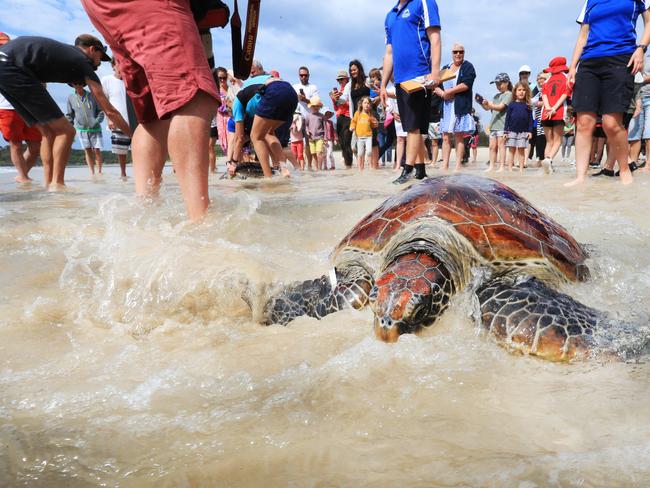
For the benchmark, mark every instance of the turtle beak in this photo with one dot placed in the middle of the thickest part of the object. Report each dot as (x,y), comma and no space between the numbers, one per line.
(386,330)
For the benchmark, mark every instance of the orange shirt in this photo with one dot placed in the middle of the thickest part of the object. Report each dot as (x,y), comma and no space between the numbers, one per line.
(363,123)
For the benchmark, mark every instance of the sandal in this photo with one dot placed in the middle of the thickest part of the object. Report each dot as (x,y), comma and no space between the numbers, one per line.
(605,172)
(633,168)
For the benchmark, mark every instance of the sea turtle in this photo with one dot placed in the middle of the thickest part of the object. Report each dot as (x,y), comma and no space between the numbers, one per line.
(418,248)
(244,171)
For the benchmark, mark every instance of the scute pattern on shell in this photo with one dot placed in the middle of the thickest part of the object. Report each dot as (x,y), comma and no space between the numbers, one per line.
(500,224)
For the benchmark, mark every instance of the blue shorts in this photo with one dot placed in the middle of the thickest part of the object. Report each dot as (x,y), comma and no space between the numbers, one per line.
(279,101)
(231,125)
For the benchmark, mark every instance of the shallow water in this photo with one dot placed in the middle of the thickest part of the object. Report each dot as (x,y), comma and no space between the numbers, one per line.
(128,358)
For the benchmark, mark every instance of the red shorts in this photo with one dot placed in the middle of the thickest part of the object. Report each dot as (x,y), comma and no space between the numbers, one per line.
(14,129)
(159,51)
(298,149)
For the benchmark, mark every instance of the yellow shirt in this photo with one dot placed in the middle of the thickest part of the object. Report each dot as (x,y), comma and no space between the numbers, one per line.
(362,124)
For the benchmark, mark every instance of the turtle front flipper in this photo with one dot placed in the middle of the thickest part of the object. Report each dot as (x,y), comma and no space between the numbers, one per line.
(349,288)
(531,318)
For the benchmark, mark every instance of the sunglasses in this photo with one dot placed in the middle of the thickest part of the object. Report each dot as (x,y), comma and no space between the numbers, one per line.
(223,77)
(304,76)
(458,52)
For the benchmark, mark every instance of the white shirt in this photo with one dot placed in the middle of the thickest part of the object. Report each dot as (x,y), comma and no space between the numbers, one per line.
(310,90)
(115,91)
(4,104)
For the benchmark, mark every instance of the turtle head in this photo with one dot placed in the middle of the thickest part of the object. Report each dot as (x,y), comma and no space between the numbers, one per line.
(410,294)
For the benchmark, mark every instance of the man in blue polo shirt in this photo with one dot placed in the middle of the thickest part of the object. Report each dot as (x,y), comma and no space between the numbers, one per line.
(412,52)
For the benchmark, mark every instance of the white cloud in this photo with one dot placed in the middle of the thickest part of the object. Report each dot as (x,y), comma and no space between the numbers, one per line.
(499,35)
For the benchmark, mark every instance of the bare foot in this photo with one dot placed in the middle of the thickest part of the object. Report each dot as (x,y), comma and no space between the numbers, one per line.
(54,187)
(578,181)
(490,169)
(626,177)
(22,179)
(285,172)
(500,170)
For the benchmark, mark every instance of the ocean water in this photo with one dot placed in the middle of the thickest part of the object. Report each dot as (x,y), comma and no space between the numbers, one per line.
(128,356)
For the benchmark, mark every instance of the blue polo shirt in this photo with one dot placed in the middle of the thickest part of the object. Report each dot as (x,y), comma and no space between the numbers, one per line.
(406,32)
(612,26)
(241,112)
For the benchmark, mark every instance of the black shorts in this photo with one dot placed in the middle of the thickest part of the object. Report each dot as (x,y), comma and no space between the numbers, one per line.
(603,85)
(279,101)
(214,132)
(552,123)
(27,95)
(414,110)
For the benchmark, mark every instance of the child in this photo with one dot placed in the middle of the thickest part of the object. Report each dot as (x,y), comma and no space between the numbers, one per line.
(568,138)
(554,95)
(315,124)
(362,124)
(434,137)
(519,125)
(297,139)
(330,138)
(498,105)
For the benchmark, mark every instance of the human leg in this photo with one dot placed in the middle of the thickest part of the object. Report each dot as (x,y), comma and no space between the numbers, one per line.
(585,124)
(511,157)
(446,150)
(521,153)
(99,160)
(18,160)
(265,143)
(460,150)
(121,158)
(31,153)
(212,154)
(149,149)
(60,136)
(618,144)
(501,147)
(90,160)
(494,149)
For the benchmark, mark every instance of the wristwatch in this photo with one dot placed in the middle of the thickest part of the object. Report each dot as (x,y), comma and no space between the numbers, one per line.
(644,47)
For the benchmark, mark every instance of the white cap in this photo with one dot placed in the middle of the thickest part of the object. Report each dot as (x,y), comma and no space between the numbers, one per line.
(525,69)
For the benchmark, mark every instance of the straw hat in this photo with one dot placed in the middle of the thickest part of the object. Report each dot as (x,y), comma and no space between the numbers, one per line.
(315,102)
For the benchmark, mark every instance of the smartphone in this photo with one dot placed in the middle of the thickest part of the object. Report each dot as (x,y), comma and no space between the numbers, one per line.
(335,89)
(479,98)
(302,92)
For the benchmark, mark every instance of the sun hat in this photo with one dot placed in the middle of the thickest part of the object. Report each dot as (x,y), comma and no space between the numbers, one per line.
(342,74)
(557,65)
(315,102)
(525,69)
(88,41)
(501,78)
(4,38)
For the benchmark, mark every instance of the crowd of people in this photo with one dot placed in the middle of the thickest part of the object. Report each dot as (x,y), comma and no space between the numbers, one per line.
(162,109)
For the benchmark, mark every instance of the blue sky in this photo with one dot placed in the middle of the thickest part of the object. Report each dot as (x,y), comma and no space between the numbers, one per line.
(498,35)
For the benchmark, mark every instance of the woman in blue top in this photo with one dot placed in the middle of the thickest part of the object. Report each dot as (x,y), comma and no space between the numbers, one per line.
(457,109)
(609,57)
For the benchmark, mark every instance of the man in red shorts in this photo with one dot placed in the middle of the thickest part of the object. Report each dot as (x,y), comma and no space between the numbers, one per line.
(164,66)
(15,131)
